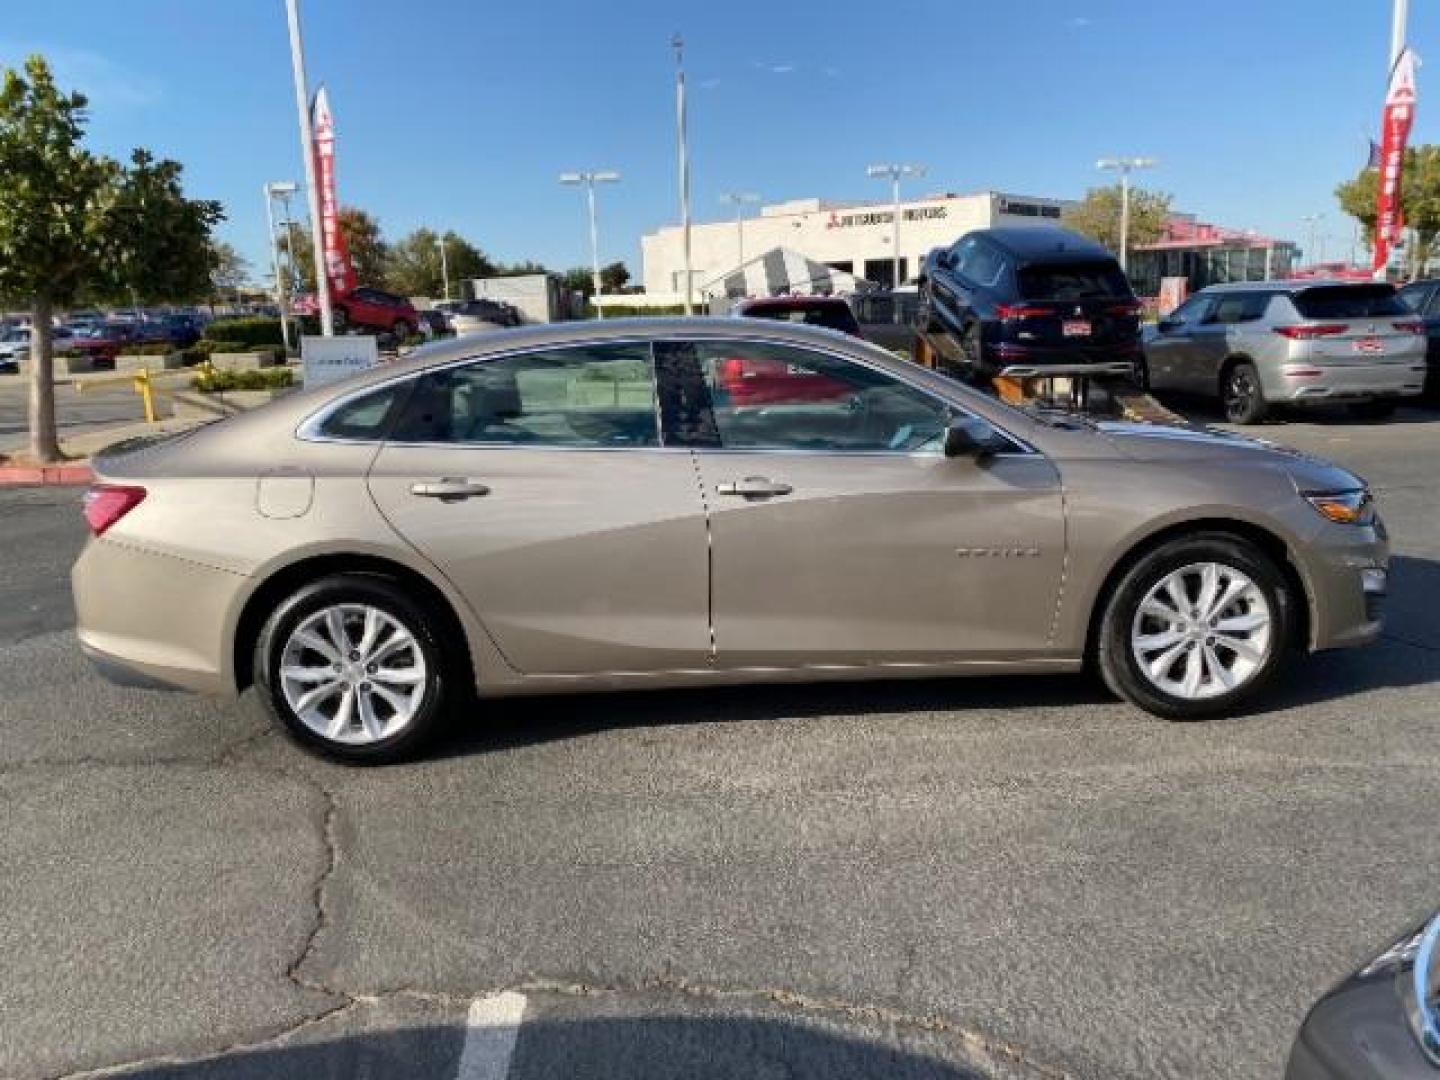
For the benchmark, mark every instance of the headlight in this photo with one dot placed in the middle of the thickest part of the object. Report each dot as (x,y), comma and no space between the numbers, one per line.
(1344,507)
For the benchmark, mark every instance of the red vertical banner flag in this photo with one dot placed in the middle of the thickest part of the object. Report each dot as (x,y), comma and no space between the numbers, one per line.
(1395,132)
(339,270)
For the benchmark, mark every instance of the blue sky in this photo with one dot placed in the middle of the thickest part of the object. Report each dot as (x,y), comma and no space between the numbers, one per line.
(459,114)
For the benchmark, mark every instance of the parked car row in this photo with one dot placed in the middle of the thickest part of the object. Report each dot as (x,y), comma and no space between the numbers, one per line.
(102,339)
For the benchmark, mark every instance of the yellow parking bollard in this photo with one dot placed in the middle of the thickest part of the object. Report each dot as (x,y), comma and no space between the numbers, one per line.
(147,398)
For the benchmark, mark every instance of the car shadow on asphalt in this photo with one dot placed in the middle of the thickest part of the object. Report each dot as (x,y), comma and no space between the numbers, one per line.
(575,1049)
(1407,655)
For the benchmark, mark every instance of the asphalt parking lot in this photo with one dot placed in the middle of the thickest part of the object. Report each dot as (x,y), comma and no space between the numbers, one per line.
(957,879)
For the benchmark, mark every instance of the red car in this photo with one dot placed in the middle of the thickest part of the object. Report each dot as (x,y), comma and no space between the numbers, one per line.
(755,381)
(367,308)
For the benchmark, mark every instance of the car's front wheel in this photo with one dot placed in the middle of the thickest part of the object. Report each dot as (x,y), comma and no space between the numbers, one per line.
(1195,627)
(353,668)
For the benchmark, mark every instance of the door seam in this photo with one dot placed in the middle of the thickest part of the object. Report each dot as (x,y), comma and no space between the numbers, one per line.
(710,657)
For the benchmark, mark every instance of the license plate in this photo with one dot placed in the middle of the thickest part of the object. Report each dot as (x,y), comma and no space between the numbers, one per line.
(1075,328)
(1369,345)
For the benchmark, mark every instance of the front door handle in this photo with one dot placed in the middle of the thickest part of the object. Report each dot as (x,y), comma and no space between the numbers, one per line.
(449,488)
(754,487)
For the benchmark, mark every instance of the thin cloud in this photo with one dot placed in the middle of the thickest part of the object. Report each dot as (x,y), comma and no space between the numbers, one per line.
(830,72)
(709,84)
(1079,22)
(104,82)
(781,69)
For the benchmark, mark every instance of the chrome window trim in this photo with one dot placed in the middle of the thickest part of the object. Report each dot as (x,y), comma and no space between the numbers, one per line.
(308,429)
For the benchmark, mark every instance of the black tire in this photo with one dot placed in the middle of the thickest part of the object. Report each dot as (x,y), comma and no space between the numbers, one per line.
(1374,409)
(925,312)
(402,330)
(972,347)
(388,597)
(1140,374)
(1241,395)
(1113,654)
(340,319)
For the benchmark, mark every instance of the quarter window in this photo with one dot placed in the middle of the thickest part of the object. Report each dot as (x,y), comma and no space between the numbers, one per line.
(590,396)
(365,418)
(747,395)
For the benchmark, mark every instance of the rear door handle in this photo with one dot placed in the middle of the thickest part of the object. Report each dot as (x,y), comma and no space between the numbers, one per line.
(449,488)
(754,487)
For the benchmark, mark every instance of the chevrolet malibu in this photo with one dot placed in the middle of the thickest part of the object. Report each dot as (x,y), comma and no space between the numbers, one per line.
(591,507)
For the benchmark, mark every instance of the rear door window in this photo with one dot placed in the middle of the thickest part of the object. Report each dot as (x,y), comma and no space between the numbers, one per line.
(1349,302)
(1414,296)
(1241,308)
(583,396)
(1096,280)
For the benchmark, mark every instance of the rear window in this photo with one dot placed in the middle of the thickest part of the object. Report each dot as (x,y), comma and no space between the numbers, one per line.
(832,316)
(1349,302)
(1073,281)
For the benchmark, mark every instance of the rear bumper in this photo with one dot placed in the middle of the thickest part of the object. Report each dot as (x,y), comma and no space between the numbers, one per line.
(1003,354)
(1300,382)
(150,619)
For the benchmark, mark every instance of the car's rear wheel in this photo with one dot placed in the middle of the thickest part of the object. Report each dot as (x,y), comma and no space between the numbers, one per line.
(352,668)
(340,319)
(1241,395)
(402,330)
(1195,627)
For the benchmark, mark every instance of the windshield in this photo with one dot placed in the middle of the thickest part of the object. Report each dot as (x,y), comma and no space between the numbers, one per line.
(1349,302)
(1073,281)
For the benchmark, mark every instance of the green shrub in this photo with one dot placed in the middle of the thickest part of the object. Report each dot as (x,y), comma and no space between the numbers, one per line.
(257,331)
(210,381)
(150,348)
(210,345)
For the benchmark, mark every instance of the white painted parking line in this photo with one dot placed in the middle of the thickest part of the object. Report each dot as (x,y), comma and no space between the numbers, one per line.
(491,1028)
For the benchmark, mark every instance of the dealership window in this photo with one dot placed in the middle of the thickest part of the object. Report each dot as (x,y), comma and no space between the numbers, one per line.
(596,396)
(845,266)
(882,271)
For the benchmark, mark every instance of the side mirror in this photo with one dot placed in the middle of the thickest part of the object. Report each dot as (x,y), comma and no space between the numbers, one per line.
(969,436)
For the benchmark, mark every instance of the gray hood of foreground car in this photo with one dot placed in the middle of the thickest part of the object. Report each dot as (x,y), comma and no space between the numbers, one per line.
(1159,442)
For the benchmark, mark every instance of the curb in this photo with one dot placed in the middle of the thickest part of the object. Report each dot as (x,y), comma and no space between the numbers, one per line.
(49,475)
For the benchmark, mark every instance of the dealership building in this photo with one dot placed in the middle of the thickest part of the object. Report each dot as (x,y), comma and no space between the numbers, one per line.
(854,238)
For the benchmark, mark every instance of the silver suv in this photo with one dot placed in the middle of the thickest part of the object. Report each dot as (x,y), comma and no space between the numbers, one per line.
(1266,343)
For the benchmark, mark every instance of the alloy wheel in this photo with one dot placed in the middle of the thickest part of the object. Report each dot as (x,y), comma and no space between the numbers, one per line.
(353,674)
(1242,393)
(1202,631)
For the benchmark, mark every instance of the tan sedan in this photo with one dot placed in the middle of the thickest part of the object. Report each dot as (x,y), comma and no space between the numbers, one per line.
(689,502)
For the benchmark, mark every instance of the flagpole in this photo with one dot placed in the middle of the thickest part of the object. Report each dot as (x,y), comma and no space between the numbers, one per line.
(307,153)
(1398,18)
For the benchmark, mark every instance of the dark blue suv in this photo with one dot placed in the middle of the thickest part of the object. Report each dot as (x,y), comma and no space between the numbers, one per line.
(1030,295)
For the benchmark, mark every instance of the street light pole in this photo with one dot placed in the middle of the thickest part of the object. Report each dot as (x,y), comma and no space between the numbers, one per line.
(1398,17)
(444,265)
(590,179)
(739,200)
(278,189)
(894,172)
(1312,220)
(307,153)
(678,44)
(1125,166)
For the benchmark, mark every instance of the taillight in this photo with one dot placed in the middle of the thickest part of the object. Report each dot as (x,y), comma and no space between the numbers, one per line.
(1410,326)
(1125,309)
(1306,333)
(1020,311)
(105,504)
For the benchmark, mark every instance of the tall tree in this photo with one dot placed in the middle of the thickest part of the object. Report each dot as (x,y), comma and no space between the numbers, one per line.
(228,270)
(73,223)
(414,267)
(362,235)
(615,276)
(579,279)
(158,241)
(54,203)
(1419,199)
(1098,216)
